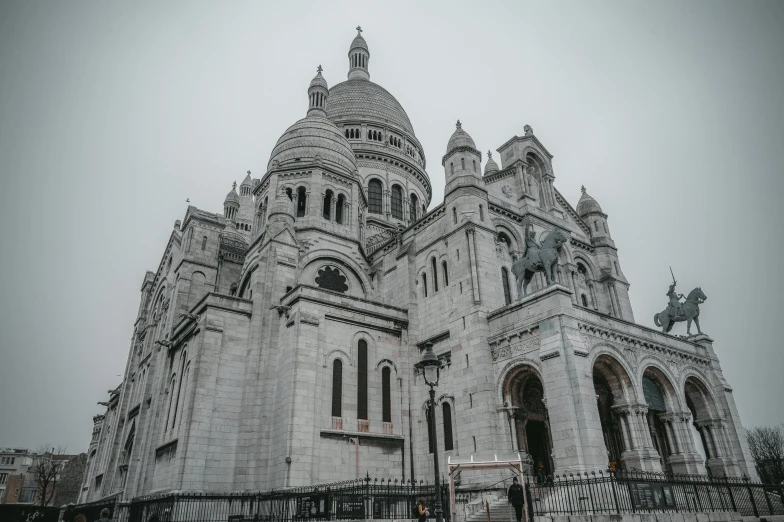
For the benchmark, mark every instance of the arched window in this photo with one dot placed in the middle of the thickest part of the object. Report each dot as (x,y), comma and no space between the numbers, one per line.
(412,208)
(370,135)
(462,163)
(448,443)
(386,400)
(481,213)
(452,167)
(424,283)
(474,165)
(204,243)
(397,202)
(301,202)
(327,204)
(337,388)
(505,281)
(454,215)
(374,197)
(172,393)
(505,239)
(362,358)
(339,209)
(430,430)
(435,274)
(584,300)
(596,225)
(446,273)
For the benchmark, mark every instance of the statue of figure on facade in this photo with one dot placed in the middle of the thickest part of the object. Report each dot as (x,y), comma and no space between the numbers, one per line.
(538,258)
(677,311)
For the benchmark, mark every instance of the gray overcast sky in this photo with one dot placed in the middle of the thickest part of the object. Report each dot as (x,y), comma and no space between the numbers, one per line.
(112,114)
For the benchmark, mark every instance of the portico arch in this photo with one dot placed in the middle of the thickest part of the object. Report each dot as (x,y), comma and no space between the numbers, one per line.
(706,423)
(614,392)
(661,398)
(524,396)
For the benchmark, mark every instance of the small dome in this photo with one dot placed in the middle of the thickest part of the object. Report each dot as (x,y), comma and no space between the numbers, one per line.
(491,166)
(232,197)
(358,42)
(247,182)
(230,232)
(310,137)
(587,205)
(318,80)
(460,138)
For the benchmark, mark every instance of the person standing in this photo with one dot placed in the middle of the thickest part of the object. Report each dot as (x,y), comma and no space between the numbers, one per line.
(422,511)
(516,497)
(105,515)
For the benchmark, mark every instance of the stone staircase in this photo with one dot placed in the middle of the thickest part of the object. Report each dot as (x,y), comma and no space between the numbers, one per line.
(500,511)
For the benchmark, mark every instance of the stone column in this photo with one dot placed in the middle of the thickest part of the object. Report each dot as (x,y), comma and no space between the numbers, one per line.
(307,202)
(333,208)
(592,291)
(387,210)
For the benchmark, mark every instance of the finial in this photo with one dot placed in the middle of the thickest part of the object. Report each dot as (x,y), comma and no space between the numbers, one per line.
(359,30)
(234,186)
(489,155)
(319,69)
(459,125)
(582,189)
(248,173)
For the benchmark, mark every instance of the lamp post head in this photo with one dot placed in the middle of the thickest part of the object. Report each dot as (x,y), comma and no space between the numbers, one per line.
(430,366)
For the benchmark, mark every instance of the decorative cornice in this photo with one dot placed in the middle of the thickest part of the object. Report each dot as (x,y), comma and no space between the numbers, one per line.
(501,174)
(462,148)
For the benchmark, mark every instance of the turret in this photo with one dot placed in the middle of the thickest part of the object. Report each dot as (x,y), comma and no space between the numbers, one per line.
(591,212)
(358,58)
(317,95)
(491,167)
(232,203)
(462,161)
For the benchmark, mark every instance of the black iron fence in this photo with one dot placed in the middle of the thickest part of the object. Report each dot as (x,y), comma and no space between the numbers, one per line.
(351,500)
(643,492)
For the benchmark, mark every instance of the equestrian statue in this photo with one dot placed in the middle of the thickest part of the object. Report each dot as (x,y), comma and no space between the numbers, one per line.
(538,258)
(677,311)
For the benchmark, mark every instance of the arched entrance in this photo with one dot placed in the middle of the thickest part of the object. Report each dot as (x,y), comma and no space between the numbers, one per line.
(657,389)
(524,396)
(706,425)
(613,391)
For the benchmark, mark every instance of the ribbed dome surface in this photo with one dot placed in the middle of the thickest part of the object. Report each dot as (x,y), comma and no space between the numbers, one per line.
(587,204)
(365,100)
(313,136)
(460,138)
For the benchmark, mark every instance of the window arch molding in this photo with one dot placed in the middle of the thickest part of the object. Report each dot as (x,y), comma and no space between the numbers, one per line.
(340,259)
(657,370)
(386,362)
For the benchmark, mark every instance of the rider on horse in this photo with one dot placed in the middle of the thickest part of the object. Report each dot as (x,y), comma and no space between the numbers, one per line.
(676,307)
(531,246)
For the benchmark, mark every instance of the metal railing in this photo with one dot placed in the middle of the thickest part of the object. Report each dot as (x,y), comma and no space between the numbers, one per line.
(608,492)
(351,500)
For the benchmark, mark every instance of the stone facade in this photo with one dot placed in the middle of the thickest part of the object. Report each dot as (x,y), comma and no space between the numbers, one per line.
(275,343)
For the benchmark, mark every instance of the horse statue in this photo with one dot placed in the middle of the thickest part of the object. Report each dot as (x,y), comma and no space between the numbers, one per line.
(688,311)
(538,259)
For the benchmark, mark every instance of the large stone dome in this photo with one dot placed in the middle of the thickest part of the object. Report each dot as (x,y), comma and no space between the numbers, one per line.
(366,101)
(311,137)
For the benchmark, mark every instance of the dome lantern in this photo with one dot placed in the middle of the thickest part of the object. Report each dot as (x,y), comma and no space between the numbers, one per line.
(317,95)
(358,58)
(232,203)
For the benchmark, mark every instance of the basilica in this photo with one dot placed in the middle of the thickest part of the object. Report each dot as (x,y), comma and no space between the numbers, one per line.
(275,343)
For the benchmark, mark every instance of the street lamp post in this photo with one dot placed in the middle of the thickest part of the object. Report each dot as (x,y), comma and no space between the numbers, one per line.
(431,369)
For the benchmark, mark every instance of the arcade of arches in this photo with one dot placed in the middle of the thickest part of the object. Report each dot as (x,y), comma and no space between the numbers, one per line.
(645,427)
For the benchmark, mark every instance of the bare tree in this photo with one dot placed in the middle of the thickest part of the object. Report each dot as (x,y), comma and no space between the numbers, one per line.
(767,449)
(46,470)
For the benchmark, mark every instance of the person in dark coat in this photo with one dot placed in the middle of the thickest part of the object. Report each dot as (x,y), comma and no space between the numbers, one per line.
(516,497)
(105,515)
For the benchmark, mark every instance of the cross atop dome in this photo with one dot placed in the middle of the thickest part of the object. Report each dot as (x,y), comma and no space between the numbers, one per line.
(359,30)
(319,69)
(582,189)
(459,125)
(234,186)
